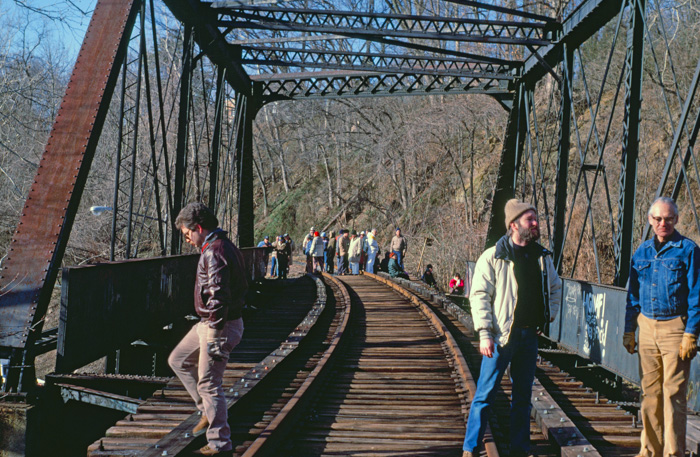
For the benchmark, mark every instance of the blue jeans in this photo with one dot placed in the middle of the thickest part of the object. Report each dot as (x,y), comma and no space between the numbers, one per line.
(399,258)
(273,266)
(355,268)
(521,354)
(342,264)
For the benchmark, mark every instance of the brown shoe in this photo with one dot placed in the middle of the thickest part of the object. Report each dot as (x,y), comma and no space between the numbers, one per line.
(201,427)
(206,450)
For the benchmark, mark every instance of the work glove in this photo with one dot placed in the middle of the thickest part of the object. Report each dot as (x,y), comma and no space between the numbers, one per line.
(628,342)
(215,344)
(689,346)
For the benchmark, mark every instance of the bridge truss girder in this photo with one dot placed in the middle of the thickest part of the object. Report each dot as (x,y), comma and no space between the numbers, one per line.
(388,25)
(373,62)
(345,84)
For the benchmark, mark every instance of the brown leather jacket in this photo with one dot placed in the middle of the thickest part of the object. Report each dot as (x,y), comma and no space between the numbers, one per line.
(221,282)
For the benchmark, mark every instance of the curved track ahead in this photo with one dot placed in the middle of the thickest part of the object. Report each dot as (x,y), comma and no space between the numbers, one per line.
(392,391)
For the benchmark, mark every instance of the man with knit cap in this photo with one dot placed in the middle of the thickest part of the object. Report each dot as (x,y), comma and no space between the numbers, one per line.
(515,292)
(662,300)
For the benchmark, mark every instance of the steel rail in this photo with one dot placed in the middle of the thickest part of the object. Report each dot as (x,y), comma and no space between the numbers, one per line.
(460,363)
(163,423)
(273,436)
(570,414)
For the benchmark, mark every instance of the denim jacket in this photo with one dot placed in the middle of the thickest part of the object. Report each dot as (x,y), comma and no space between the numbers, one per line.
(666,284)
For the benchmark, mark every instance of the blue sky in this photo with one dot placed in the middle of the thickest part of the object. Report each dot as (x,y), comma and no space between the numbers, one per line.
(64,20)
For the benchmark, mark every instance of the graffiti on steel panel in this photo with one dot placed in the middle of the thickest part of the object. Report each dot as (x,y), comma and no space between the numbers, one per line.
(585,326)
(596,328)
(570,328)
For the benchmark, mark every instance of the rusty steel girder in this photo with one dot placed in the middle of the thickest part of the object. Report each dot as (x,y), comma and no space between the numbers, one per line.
(36,250)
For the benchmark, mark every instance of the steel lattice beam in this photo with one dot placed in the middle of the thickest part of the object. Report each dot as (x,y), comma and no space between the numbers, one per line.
(561,200)
(340,84)
(511,156)
(634,59)
(388,25)
(375,62)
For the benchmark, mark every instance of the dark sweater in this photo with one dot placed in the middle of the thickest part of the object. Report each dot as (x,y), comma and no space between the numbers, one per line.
(529,311)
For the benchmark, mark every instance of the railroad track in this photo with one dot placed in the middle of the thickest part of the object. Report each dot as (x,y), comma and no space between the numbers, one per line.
(569,418)
(379,371)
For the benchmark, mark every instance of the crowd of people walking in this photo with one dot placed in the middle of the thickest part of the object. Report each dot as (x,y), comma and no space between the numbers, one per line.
(346,253)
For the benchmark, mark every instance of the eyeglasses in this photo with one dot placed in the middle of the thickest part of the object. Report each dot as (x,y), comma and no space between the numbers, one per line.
(668,220)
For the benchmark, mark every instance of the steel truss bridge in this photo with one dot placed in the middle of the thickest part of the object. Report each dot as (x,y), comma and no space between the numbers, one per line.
(235,57)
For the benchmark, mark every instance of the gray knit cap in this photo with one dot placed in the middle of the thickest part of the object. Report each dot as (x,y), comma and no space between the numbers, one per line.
(515,208)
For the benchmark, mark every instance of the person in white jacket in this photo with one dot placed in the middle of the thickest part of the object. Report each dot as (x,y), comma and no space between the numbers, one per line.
(515,293)
(372,250)
(355,253)
(316,252)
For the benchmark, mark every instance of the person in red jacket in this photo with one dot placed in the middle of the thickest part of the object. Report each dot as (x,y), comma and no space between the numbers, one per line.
(199,360)
(456,285)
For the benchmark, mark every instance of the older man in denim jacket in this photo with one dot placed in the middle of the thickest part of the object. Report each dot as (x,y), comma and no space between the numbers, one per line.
(662,299)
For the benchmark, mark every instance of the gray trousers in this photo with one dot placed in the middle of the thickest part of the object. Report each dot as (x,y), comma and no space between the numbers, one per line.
(202,377)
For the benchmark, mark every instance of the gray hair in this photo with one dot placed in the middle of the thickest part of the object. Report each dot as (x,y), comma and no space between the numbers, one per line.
(667,201)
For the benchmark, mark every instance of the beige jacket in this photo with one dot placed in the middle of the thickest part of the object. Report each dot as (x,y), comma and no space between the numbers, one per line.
(494,291)
(355,250)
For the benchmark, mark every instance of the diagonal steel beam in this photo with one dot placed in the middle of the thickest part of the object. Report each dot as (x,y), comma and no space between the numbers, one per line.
(210,40)
(511,156)
(376,62)
(503,9)
(586,20)
(38,245)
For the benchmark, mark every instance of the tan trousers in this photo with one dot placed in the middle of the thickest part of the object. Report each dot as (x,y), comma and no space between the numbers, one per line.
(664,384)
(203,377)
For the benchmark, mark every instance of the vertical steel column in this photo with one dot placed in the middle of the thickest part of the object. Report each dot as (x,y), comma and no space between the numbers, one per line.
(508,170)
(561,195)
(135,139)
(246,110)
(216,139)
(183,123)
(630,140)
(118,163)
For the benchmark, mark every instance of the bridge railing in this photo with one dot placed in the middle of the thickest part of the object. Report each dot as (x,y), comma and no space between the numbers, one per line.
(108,306)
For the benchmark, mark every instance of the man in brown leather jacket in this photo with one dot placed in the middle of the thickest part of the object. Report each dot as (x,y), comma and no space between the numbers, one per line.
(199,360)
